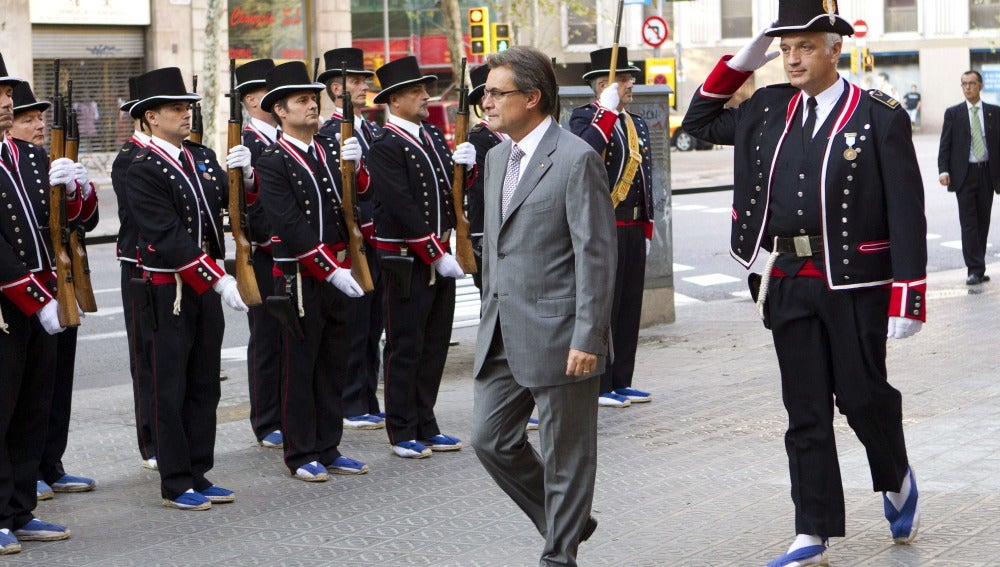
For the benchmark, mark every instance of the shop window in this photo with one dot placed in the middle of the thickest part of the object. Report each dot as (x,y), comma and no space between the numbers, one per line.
(737,20)
(984,14)
(900,16)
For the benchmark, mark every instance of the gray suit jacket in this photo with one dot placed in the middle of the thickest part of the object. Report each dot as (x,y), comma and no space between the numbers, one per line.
(549,267)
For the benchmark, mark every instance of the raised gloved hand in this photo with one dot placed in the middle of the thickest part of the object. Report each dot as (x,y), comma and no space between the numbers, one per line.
(903,327)
(226,287)
(48,316)
(62,172)
(350,149)
(754,55)
(448,267)
(610,99)
(465,154)
(239,156)
(342,279)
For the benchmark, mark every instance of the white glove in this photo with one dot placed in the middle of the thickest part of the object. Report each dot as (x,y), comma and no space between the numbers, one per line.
(48,316)
(649,246)
(610,99)
(754,55)
(61,172)
(350,150)
(239,156)
(226,287)
(464,154)
(342,279)
(448,267)
(80,176)
(903,327)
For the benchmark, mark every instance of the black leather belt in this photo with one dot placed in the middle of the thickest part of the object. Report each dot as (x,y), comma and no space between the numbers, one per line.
(801,246)
(628,214)
(982,164)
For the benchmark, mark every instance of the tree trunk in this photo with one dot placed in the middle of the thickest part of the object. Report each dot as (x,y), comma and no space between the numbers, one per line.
(211,71)
(453,26)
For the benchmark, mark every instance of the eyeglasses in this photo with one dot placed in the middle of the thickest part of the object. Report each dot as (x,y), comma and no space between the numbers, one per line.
(497,94)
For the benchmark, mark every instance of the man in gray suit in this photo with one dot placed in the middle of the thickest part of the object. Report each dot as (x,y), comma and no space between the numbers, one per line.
(549,255)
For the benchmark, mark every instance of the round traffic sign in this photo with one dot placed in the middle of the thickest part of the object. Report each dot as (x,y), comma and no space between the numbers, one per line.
(860,29)
(655,31)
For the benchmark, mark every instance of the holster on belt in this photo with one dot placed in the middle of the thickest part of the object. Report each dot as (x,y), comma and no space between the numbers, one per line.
(283,306)
(140,290)
(753,282)
(398,269)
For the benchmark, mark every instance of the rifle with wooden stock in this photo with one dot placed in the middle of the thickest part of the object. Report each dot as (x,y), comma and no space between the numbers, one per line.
(197,123)
(463,240)
(82,286)
(349,199)
(239,220)
(58,227)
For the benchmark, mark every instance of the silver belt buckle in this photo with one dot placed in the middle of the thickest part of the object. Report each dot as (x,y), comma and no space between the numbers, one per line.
(802,247)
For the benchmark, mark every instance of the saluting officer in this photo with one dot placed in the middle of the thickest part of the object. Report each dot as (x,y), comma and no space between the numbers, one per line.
(177,194)
(29,127)
(827,181)
(264,346)
(28,320)
(301,195)
(360,403)
(127,249)
(622,137)
(411,168)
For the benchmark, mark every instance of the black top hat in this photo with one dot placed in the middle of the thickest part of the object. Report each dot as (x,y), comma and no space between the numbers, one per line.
(127,105)
(24,99)
(158,87)
(286,79)
(251,76)
(796,16)
(478,78)
(5,78)
(335,59)
(600,63)
(398,74)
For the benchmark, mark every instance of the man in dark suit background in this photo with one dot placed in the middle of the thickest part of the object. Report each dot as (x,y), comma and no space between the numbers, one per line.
(971,133)
(549,252)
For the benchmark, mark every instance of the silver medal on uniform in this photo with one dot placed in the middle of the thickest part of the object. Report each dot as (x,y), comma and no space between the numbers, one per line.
(850,154)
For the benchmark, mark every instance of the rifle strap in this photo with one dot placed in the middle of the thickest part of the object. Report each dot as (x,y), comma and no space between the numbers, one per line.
(3,324)
(633,161)
(177,295)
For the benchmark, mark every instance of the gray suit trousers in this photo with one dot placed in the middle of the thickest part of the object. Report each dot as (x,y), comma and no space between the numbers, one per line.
(555,489)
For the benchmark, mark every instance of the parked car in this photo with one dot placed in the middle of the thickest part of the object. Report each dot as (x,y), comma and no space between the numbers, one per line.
(683,141)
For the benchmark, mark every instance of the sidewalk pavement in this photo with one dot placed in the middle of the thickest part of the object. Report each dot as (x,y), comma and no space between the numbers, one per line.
(698,477)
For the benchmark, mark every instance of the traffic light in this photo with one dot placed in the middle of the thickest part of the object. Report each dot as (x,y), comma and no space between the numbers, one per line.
(867,61)
(854,60)
(479,30)
(501,37)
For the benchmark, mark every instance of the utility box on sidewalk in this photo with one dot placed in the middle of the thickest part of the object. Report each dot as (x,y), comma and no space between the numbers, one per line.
(651,103)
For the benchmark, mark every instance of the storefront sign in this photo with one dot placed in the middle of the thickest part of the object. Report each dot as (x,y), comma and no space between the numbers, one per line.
(273,29)
(90,12)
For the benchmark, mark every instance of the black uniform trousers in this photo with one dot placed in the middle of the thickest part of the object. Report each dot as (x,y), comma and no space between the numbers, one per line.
(264,354)
(417,333)
(137,339)
(314,373)
(975,203)
(184,357)
(360,391)
(831,348)
(27,357)
(626,310)
(50,468)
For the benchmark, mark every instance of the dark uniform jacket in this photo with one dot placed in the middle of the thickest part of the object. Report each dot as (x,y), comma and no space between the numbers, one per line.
(301,197)
(870,208)
(127,247)
(179,214)
(258,231)
(26,254)
(606,133)
(365,135)
(413,204)
(483,139)
(956,144)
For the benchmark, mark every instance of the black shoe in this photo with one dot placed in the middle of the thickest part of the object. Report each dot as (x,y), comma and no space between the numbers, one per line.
(974,279)
(588,529)
(985,278)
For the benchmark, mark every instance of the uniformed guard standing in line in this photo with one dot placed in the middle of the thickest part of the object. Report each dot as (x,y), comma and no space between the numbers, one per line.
(178,191)
(264,346)
(360,403)
(826,180)
(29,127)
(28,322)
(127,249)
(411,168)
(300,192)
(623,139)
